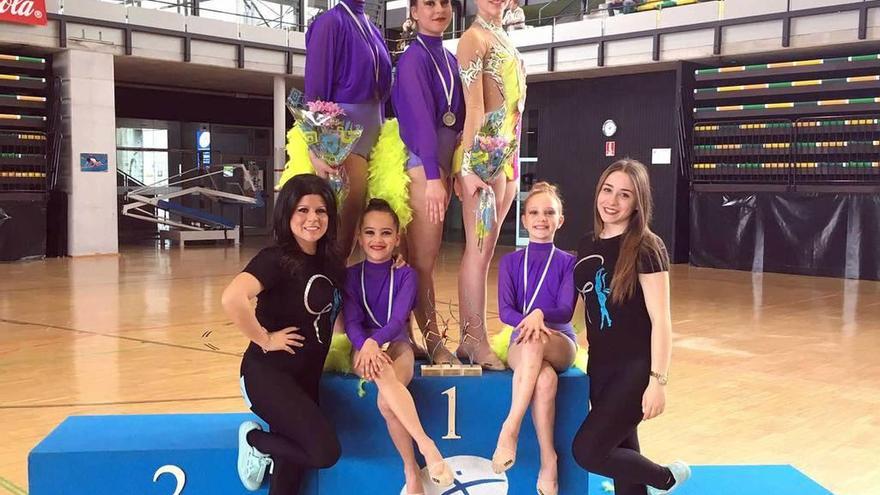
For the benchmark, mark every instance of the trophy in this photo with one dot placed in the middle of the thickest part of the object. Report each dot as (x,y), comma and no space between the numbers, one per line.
(442,337)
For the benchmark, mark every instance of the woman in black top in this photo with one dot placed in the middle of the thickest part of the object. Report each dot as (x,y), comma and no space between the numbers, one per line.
(622,274)
(297,283)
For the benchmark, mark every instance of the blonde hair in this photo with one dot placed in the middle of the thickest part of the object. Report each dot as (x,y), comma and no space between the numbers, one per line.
(543,187)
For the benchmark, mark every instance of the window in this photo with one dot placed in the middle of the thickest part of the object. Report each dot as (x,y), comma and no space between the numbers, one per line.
(142,154)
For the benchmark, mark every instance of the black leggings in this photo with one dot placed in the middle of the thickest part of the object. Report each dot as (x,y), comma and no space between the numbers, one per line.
(300,437)
(607,442)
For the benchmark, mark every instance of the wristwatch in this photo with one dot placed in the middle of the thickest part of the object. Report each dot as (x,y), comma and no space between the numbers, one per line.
(661,378)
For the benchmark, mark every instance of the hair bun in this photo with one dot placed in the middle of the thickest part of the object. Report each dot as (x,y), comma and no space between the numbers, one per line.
(379,204)
(543,186)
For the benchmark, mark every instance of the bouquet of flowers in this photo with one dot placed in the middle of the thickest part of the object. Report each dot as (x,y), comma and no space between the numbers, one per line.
(329,135)
(486,159)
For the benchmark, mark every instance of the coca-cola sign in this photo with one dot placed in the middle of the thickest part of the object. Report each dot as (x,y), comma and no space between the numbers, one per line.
(23,11)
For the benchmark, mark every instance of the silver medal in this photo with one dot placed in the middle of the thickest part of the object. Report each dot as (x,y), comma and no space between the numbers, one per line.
(448,89)
(449,119)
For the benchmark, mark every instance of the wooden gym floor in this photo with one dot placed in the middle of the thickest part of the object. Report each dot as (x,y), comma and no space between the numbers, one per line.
(767,368)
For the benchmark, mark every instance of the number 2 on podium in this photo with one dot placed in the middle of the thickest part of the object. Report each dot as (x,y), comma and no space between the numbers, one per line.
(450,421)
(179,476)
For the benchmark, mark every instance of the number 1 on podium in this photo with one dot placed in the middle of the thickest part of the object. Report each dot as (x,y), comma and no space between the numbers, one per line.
(450,421)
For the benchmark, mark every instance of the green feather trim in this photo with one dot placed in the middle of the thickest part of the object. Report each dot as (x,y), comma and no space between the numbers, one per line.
(579,326)
(581,358)
(500,342)
(339,356)
(298,161)
(387,177)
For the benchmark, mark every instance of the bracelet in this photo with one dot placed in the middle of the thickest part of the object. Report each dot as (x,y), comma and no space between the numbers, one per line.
(661,378)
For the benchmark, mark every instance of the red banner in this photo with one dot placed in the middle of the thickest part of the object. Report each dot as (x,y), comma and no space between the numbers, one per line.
(23,11)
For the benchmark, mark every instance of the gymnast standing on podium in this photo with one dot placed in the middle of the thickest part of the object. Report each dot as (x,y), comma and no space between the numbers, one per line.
(379,298)
(494,80)
(429,102)
(347,62)
(297,284)
(623,275)
(536,296)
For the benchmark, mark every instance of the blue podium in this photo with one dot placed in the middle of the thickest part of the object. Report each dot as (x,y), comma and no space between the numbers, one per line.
(196,453)
(185,454)
(463,415)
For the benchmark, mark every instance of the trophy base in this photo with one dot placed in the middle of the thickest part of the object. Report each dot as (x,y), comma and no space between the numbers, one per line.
(452,370)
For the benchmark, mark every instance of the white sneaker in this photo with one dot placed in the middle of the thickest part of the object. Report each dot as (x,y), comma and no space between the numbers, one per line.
(681,472)
(252,463)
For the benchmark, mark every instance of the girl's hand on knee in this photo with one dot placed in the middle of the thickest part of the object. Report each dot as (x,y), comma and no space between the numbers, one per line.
(371,359)
(532,328)
(363,360)
(362,373)
(358,367)
(379,363)
(525,335)
(544,334)
(528,335)
(535,319)
(653,400)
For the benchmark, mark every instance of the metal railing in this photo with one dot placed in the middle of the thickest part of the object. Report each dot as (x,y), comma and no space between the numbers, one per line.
(586,11)
(276,15)
(55,135)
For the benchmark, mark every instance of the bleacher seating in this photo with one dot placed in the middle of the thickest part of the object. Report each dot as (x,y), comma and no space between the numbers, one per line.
(23,124)
(630,6)
(29,150)
(803,121)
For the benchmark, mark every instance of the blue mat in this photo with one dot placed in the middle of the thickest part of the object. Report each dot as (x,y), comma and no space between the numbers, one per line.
(196,214)
(738,480)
